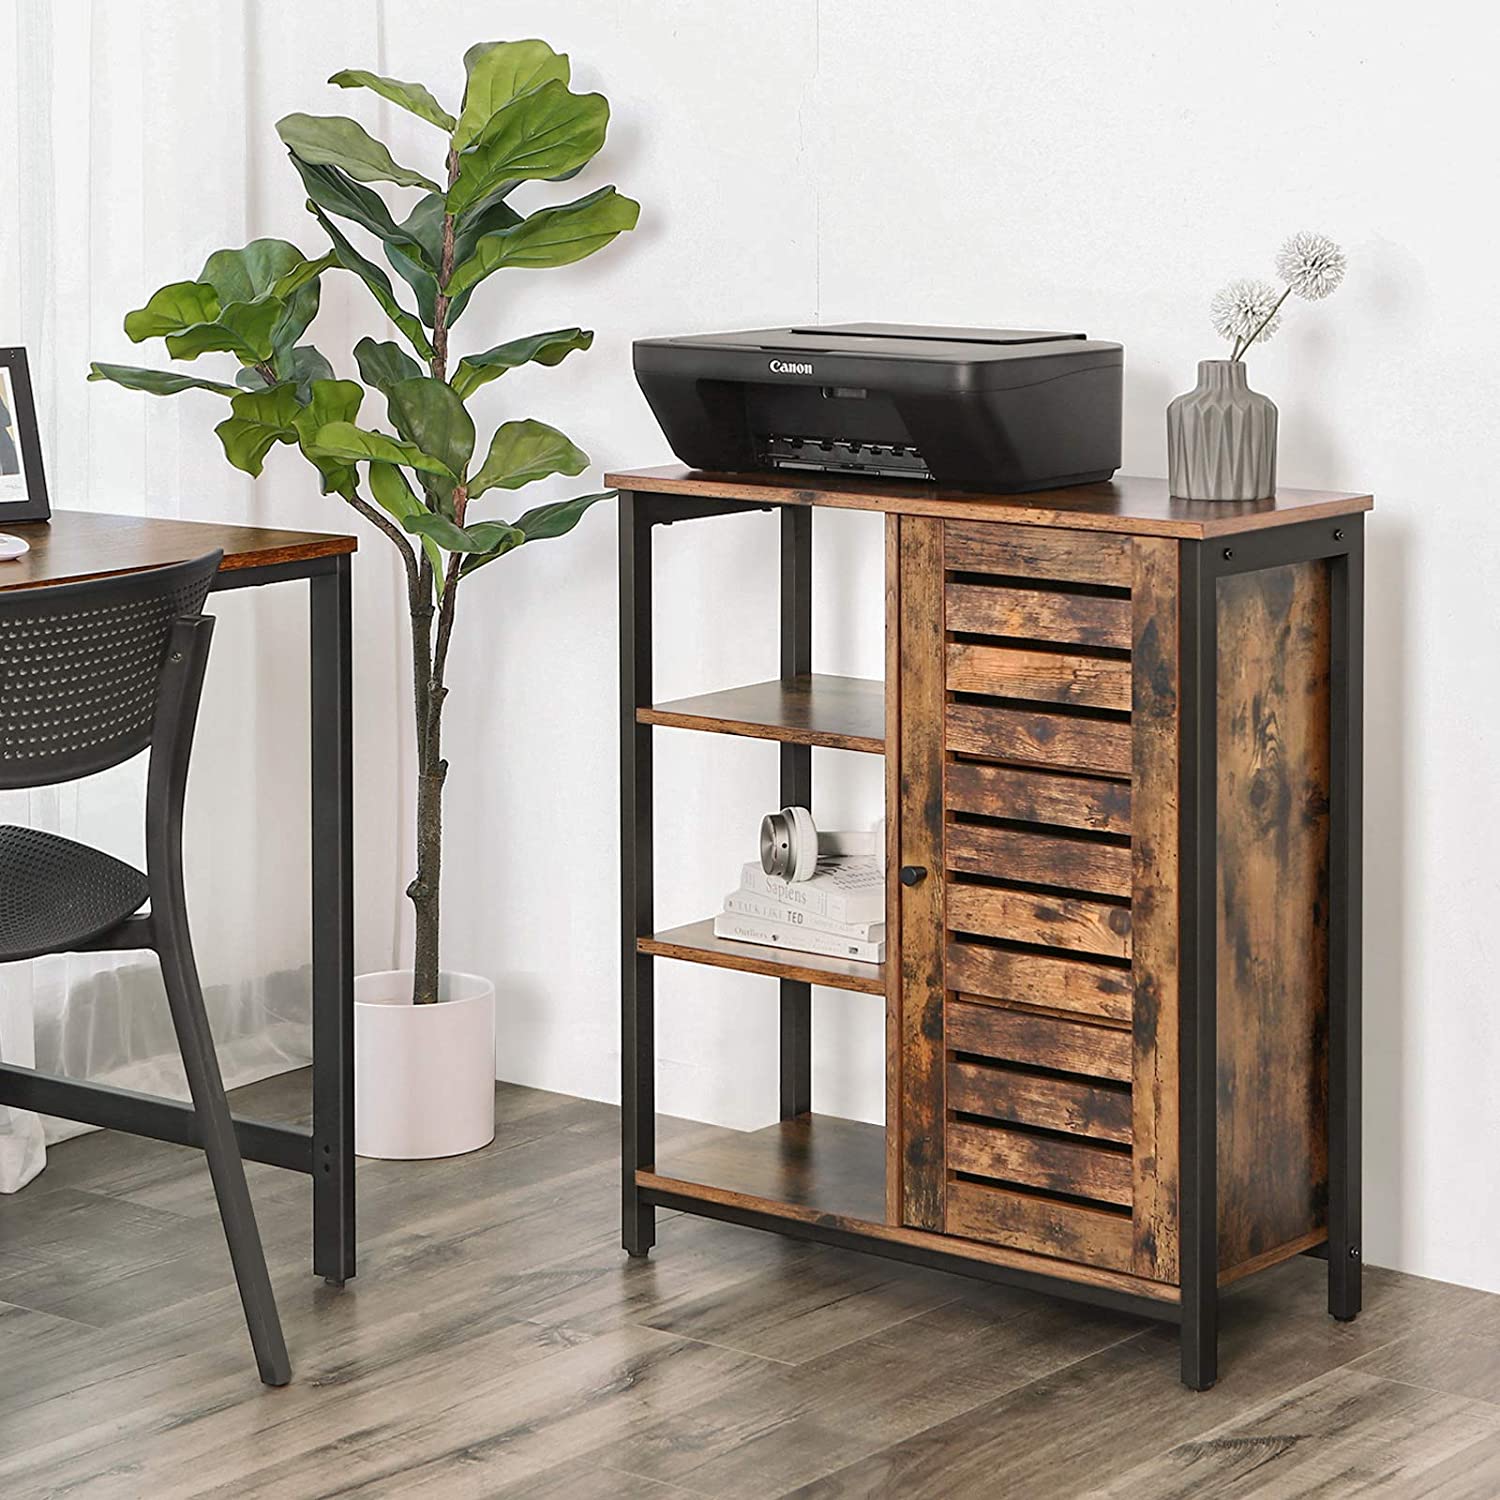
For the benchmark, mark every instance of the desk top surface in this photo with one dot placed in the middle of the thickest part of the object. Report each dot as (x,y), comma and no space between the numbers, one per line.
(78,544)
(1126,504)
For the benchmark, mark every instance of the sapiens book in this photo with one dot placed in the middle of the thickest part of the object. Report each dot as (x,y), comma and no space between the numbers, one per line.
(795,939)
(749,904)
(843,890)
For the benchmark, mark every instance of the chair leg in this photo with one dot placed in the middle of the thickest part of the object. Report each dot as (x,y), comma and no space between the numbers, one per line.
(185,996)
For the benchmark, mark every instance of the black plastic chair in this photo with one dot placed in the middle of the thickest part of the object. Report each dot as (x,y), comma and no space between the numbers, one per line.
(90,675)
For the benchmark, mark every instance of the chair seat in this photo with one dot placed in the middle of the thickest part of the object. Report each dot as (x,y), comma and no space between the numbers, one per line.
(56,894)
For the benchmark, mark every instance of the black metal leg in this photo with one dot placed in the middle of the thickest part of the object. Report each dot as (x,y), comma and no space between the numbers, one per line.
(332,922)
(1198,1056)
(637,1002)
(796,790)
(206,1085)
(1346,792)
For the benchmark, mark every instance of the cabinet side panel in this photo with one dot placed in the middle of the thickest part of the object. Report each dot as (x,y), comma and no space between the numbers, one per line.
(1155,672)
(1272,918)
(920,756)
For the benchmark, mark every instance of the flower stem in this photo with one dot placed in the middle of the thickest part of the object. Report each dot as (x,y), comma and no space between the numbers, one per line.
(1240,349)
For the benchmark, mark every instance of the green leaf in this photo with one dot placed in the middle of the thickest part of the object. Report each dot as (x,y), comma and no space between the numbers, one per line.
(331,189)
(299,276)
(249,274)
(260,420)
(410,96)
(243,328)
(538,135)
(250,302)
(377,281)
(304,364)
(337,141)
(425,224)
(497,73)
(476,370)
(354,444)
(429,413)
(297,312)
(171,309)
(550,237)
(521,452)
(446,533)
(329,401)
(382,364)
(557,517)
(394,495)
(300,367)
(542,523)
(484,218)
(156,382)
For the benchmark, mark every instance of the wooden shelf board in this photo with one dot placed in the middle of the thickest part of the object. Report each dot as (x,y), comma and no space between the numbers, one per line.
(839,713)
(696,943)
(820,1169)
(820,1162)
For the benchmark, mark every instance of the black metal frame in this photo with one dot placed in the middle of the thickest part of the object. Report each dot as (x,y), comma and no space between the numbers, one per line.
(326,1152)
(28,442)
(796,791)
(843,1237)
(1340,543)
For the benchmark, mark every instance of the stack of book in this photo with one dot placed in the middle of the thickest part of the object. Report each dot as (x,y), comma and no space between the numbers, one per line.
(840,912)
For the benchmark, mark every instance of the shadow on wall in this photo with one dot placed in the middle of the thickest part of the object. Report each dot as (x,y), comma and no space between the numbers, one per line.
(1388,1028)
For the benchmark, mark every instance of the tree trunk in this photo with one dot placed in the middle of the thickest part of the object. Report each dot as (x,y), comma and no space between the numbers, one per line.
(428,665)
(425,889)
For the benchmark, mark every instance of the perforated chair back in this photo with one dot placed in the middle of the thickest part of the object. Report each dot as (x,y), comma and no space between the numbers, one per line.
(79,667)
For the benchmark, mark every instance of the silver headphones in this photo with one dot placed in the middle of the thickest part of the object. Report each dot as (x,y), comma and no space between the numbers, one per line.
(790,844)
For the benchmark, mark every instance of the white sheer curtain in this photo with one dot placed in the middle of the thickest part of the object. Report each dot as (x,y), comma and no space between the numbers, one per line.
(135,138)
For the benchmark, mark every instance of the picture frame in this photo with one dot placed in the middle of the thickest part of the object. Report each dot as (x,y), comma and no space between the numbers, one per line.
(23,484)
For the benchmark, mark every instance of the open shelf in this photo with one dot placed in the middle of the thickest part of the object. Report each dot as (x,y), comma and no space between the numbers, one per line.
(820,1162)
(837,713)
(823,1178)
(697,944)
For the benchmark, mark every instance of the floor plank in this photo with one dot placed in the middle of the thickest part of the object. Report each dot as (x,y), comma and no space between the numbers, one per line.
(1344,1434)
(497,1343)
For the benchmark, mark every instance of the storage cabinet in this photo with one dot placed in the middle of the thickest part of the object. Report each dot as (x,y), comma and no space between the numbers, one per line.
(1122,753)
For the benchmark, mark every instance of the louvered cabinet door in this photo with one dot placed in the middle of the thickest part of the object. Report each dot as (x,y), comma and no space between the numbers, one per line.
(1037,785)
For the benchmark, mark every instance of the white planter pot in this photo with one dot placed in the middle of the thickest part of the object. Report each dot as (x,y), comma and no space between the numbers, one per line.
(424,1075)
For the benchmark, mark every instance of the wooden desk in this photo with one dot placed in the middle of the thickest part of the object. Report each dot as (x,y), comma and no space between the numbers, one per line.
(83,544)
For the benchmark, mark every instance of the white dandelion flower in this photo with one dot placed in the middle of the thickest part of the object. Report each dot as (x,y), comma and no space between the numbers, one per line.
(1311,264)
(1243,306)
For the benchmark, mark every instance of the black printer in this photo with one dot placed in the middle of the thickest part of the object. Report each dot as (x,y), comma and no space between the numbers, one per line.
(975,408)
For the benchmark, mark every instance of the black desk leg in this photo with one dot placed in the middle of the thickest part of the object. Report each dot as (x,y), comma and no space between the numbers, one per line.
(1346,797)
(796,790)
(1198,998)
(331,634)
(637,915)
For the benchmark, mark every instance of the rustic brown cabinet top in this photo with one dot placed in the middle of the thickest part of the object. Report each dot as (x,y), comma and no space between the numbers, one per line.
(1141,507)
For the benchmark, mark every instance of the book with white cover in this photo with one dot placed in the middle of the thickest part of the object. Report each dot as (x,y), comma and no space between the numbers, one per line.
(843,890)
(748,904)
(796,939)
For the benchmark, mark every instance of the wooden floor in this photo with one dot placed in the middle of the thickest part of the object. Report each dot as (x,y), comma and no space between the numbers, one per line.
(497,1343)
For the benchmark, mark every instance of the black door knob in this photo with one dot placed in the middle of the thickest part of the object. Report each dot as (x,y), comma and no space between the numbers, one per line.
(913,874)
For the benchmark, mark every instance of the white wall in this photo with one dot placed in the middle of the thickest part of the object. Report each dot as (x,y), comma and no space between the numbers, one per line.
(1089,166)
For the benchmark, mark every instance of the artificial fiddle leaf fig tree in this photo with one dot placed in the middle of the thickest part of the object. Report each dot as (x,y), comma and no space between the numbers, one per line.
(518,123)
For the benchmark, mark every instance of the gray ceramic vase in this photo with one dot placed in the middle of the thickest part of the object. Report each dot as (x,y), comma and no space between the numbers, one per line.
(1221,437)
